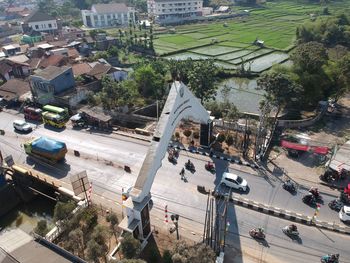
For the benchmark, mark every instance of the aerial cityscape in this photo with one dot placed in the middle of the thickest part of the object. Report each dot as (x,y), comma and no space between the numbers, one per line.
(175,131)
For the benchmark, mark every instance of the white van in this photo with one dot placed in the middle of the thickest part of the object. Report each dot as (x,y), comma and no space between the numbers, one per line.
(234,181)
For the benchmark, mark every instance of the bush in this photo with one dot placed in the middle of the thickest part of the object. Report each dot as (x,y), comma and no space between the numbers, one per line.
(41,228)
(167,257)
(187,133)
(130,247)
(63,210)
(196,135)
(229,140)
(221,138)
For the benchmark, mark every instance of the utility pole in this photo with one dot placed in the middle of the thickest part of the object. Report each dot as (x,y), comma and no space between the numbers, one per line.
(175,219)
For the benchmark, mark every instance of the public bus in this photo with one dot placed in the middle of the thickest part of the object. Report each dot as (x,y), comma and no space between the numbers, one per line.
(55,116)
(31,113)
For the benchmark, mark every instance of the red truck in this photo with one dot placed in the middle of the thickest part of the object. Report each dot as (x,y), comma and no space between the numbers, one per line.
(31,113)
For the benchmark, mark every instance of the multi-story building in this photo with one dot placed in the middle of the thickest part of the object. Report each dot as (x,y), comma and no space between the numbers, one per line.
(172,11)
(107,15)
(40,22)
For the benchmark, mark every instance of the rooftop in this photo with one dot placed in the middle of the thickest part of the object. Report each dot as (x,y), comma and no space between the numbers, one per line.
(18,246)
(51,72)
(14,88)
(99,70)
(37,16)
(80,69)
(11,46)
(52,60)
(110,8)
(97,113)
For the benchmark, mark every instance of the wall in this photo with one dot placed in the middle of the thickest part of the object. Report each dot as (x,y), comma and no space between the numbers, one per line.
(44,25)
(8,193)
(64,81)
(303,123)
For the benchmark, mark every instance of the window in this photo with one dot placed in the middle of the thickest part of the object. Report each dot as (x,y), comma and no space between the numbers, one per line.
(163,5)
(36,27)
(50,26)
(95,18)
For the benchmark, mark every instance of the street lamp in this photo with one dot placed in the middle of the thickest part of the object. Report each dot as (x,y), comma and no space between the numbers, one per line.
(175,219)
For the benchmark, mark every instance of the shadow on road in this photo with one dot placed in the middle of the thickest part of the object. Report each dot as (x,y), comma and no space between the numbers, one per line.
(58,171)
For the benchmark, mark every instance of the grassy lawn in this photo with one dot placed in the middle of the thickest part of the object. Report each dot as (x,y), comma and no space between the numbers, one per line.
(275,23)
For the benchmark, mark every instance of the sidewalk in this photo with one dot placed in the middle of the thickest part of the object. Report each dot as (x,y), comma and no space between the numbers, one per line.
(301,171)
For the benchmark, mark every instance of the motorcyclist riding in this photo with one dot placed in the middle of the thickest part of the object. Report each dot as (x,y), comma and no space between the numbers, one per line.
(314,191)
(292,228)
(331,258)
(189,162)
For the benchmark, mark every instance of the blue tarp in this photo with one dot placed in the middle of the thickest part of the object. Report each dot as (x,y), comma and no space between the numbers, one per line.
(47,145)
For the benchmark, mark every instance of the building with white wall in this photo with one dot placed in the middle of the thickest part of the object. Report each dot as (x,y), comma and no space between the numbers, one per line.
(40,22)
(172,11)
(107,15)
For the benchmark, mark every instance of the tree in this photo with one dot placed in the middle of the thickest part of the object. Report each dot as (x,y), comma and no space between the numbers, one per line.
(46,6)
(229,140)
(41,228)
(130,247)
(149,83)
(202,79)
(221,138)
(187,133)
(76,242)
(339,74)
(63,210)
(309,57)
(133,260)
(167,256)
(198,253)
(96,247)
(113,221)
(280,90)
(94,251)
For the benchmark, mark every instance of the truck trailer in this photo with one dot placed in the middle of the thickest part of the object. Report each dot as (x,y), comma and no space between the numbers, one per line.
(45,149)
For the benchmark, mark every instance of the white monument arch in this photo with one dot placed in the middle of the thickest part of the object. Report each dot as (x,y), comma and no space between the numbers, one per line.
(180,104)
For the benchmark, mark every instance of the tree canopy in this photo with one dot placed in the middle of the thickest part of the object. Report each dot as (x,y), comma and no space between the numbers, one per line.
(330,31)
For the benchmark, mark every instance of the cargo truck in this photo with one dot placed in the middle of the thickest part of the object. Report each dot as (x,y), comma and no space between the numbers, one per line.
(45,149)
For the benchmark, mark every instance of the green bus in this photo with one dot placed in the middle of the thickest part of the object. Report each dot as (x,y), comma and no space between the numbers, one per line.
(55,116)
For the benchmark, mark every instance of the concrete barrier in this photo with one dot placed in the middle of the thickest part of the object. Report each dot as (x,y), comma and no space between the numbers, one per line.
(285,214)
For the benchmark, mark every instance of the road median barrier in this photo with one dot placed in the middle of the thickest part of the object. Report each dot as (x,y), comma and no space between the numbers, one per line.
(217,156)
(285,214)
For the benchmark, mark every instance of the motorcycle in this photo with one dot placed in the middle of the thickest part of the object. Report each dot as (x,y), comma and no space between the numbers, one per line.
(330,258)
(336,205)
(289,186)
(344,197)
(210,167)
(316,195)
(309,199)
(190,166)
(289,232)
(171,158)
(255,233)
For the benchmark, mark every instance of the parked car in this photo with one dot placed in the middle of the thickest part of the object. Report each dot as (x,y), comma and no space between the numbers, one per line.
(22,126)
(344,214)
(234,181)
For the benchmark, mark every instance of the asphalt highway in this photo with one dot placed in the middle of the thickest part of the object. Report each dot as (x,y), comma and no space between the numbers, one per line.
(103,157)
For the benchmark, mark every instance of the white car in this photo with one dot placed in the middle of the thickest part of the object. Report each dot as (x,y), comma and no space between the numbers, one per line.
(21,125)
(344,214)
(234,181)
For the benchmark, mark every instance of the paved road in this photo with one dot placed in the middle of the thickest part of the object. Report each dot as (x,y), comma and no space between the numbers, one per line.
(103,158)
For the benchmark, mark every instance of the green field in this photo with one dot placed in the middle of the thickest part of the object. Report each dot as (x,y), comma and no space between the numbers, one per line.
(275,24)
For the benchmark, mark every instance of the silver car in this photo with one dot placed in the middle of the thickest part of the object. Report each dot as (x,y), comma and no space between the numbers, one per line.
(22,126)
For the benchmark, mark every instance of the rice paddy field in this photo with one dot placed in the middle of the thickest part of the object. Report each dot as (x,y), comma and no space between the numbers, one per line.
(230,41)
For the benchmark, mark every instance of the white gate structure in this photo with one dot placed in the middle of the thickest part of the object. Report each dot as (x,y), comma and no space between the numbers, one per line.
(180,104)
